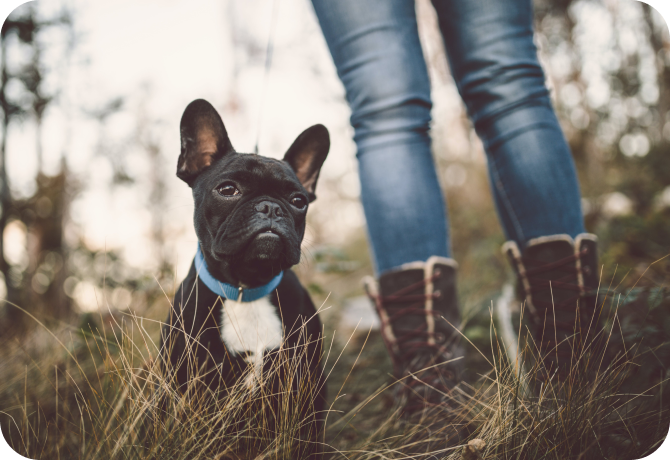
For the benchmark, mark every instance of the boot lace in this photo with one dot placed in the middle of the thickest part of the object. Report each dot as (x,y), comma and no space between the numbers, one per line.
(544,317)
(419,356)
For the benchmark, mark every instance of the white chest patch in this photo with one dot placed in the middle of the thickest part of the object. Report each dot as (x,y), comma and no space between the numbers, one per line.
(251,328)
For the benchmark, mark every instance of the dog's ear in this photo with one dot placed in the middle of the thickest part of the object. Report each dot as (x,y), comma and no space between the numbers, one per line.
(203,140)
(306,156)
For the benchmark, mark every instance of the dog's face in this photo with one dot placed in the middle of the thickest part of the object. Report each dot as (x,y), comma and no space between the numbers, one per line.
(249,210)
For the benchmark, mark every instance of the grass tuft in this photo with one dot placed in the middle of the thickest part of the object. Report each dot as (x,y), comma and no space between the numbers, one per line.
(97,392)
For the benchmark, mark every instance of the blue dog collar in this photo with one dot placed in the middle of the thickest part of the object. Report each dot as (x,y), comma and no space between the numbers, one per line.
(228,291)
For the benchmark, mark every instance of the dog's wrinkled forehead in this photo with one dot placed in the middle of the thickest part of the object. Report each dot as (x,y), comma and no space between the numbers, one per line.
(255,171)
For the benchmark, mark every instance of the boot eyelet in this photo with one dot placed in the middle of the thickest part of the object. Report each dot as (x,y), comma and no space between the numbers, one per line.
(587,270)
(437,294)
(437,272)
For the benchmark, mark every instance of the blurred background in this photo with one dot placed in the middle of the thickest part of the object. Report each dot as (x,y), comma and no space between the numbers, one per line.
(94,218)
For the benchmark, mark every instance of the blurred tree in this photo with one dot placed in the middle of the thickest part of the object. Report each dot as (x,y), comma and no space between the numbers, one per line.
(24,28)
(40,287)
(611,79)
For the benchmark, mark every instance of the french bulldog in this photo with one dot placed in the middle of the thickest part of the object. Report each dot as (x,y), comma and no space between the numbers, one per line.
(240,302)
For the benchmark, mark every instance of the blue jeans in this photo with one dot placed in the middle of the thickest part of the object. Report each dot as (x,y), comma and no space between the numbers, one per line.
(376,49)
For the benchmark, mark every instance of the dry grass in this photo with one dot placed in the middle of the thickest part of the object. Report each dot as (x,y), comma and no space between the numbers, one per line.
(98,392)
(525,412)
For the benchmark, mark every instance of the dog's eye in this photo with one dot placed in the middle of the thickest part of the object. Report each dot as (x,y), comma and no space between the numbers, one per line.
(299,202)
(227,190)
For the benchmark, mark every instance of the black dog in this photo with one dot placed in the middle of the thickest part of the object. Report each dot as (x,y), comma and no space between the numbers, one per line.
(240,301)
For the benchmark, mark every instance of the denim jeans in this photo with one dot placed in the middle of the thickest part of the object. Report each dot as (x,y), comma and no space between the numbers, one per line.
(376,49)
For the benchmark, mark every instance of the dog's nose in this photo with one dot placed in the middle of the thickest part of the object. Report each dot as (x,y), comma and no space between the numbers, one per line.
(269,208)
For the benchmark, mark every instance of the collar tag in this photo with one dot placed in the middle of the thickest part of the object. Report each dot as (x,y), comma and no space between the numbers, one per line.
(228,291)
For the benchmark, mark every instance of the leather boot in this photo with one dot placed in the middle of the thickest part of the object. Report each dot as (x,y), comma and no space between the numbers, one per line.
(557,283)
(411,302)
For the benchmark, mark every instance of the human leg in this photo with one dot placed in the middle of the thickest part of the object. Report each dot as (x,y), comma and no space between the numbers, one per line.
(377,52)
(376,49)
(495,65)
(535,188)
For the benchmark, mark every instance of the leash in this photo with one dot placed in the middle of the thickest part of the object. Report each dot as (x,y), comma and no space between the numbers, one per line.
(268,65)
(228,291)
(225,290)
